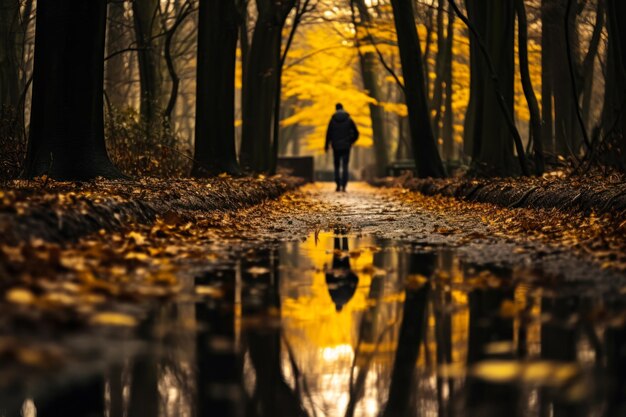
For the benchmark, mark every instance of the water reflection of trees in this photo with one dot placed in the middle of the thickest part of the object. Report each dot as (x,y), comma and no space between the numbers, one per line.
(406,348)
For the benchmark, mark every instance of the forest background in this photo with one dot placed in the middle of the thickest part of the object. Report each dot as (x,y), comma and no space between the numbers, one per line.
(492,88)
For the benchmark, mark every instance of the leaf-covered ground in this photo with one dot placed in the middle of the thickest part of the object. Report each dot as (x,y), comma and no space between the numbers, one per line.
(597,193)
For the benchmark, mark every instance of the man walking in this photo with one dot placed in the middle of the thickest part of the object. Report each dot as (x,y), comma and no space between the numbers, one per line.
(341,135)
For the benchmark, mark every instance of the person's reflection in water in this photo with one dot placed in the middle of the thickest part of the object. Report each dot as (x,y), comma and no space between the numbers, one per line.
(341,280)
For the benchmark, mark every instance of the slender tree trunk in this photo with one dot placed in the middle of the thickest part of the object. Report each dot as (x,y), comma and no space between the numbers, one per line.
(215,89)
(589,64)
(369,72)
(448,118)
(9,33)
(146,28)
(440,63)
(472,139)
(67,127)
(427,50)
(427,160)
(547,125)
(529,92)
(116,72)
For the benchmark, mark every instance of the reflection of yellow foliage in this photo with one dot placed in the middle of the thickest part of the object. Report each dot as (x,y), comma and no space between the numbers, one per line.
(314,313)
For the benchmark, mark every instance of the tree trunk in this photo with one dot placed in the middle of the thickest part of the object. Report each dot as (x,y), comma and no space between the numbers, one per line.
(215,89)
(116,72)
(448,118)
(567,131)
(547,123)
(427,160)
(497,149)
(589,64)
(9,32)
(260,85)
(440,62)
(529,92)
(369,73)
(614,117)
(489,128)
(67,127)
(472,139)
(146,28)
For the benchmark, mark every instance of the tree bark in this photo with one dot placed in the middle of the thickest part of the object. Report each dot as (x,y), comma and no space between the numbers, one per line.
(529,92)
(614,117)
(9,32)
(260,85)
(547,121)
(589,64)
(448,118)
(368,66)
(146,28)
(440,63)
(492,25)
(67,127)
(117,40)
(427,160)
(215,89)
(567,133)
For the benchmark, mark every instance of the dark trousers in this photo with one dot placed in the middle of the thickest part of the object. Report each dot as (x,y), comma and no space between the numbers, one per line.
(342,160)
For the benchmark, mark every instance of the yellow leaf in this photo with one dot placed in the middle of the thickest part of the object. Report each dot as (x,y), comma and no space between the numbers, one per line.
(20,296)
(137,237)
(497,371)
(114,319)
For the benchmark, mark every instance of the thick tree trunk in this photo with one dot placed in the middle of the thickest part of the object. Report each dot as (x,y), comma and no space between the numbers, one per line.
(146,28)
(215,89)
(567,131)
(67,127)
(614,117)
(9,33)
(494,154)
(369,73)
(529,92)
(260,85)
(116,75)
(496,151)
(427,160)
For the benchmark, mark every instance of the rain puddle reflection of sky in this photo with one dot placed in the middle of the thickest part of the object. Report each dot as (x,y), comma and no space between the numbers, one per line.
(347,325)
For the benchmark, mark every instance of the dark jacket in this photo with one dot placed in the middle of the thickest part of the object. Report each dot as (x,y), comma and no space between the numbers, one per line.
(342,131)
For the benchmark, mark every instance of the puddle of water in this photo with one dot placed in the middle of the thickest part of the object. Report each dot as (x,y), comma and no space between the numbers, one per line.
(351,326)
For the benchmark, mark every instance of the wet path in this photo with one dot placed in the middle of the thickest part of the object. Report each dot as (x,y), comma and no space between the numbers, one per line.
(365,307)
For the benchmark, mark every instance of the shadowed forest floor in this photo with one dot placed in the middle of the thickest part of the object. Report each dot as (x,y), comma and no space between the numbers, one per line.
(325,297)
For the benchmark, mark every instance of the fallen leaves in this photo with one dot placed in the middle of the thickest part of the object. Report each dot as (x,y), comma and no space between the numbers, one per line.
(599,237)
(20,296)
(113,319)
(537,373)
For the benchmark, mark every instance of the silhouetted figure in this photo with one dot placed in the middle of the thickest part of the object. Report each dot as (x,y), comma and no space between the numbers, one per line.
(341,135)
(342,282)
